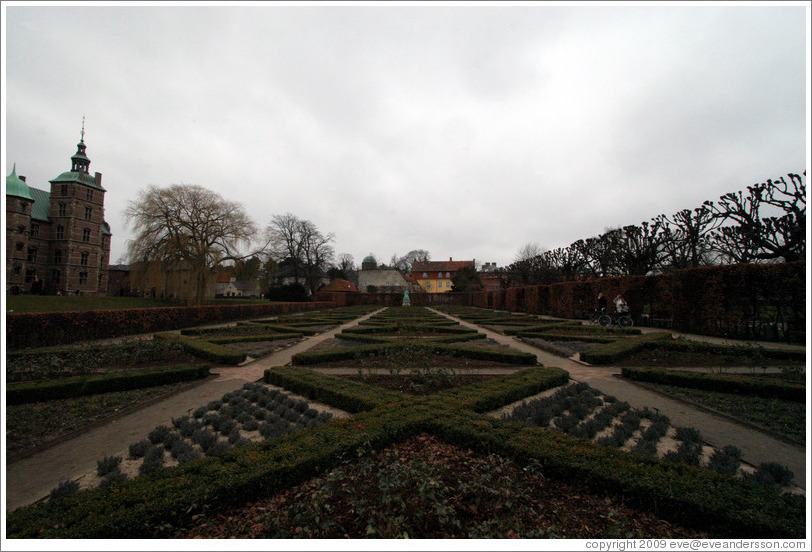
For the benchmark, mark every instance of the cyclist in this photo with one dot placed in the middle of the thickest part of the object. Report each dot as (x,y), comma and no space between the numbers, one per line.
(621,305)
(601,302)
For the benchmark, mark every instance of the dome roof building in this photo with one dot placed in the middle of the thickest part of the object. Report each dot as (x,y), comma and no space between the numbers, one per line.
(16,186)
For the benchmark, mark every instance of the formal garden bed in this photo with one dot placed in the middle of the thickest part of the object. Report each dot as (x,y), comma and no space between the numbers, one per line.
(32,426)
(440,452)
(54,393)
(440,491)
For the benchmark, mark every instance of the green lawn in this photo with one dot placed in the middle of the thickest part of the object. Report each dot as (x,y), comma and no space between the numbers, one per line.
(54,303)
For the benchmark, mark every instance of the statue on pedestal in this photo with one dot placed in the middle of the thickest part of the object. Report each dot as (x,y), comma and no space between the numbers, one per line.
(406,301)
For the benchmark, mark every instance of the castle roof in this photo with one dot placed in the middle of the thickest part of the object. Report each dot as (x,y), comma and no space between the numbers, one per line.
(42,200)
(16,186)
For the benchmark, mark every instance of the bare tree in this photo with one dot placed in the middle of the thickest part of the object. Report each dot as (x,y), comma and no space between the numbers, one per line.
(689,243)
(764,237)
(529,251)
(187,228)
(317,254)
(343,268)
(639,249)
(404,263)
(299,244)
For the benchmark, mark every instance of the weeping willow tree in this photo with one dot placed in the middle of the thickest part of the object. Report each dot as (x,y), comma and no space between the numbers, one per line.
(183,234)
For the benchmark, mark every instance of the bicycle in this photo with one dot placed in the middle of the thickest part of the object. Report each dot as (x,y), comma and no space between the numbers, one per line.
(622,319)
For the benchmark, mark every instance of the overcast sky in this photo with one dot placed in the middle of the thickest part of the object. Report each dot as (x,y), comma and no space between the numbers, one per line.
(465,130)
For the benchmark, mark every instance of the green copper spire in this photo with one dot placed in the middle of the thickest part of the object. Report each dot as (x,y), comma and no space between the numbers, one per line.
(16,187)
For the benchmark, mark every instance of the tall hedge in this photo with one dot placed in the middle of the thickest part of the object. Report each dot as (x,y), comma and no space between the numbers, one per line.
(60,328)
(741,301)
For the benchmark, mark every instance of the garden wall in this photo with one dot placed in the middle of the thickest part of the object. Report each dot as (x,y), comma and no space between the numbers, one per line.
(60,328)
(746,301)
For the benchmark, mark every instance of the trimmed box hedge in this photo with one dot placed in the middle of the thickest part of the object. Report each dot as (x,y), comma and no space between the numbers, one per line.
(206,349)
(477,353)
(78,386)
(618,350)
(253,338)
(724,383)
(725,507)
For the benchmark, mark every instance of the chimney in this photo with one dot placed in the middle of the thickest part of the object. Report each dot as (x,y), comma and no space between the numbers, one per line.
(97,179)
(450,259)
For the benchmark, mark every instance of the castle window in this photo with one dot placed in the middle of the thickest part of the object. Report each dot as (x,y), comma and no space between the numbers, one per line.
(23,206)
(60,232)
(86,235)
(88,212)
(35,230)
(58,256)
(83,278)
(17,270)
(32,255)
(83,260)
(56,276)
(19,246)
(63,209)
(89,195)
(64,189)
(29,275)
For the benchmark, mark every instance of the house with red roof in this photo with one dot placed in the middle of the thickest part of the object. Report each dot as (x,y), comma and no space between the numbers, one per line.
(435,276)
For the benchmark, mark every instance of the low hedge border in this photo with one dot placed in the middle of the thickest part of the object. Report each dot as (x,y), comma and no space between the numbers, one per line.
(340,393)
(419,328)
(303,329)
(373,339)
(477,353)
(726,507)
(620,349)
(552,336)
(253,338)
(745,350)
(724,383)
(495,393)
(79,386)
(205,349)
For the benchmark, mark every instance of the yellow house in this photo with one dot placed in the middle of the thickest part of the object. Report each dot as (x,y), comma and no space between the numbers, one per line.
(435,276)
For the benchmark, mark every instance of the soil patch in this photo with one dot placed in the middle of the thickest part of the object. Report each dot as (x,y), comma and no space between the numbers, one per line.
(561,348)
(440,491)
(259,349)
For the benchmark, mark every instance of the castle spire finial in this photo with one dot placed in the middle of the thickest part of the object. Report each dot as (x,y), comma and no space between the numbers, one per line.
(83,128)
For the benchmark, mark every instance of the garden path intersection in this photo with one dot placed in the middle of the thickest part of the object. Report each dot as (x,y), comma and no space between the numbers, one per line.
(32,478)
